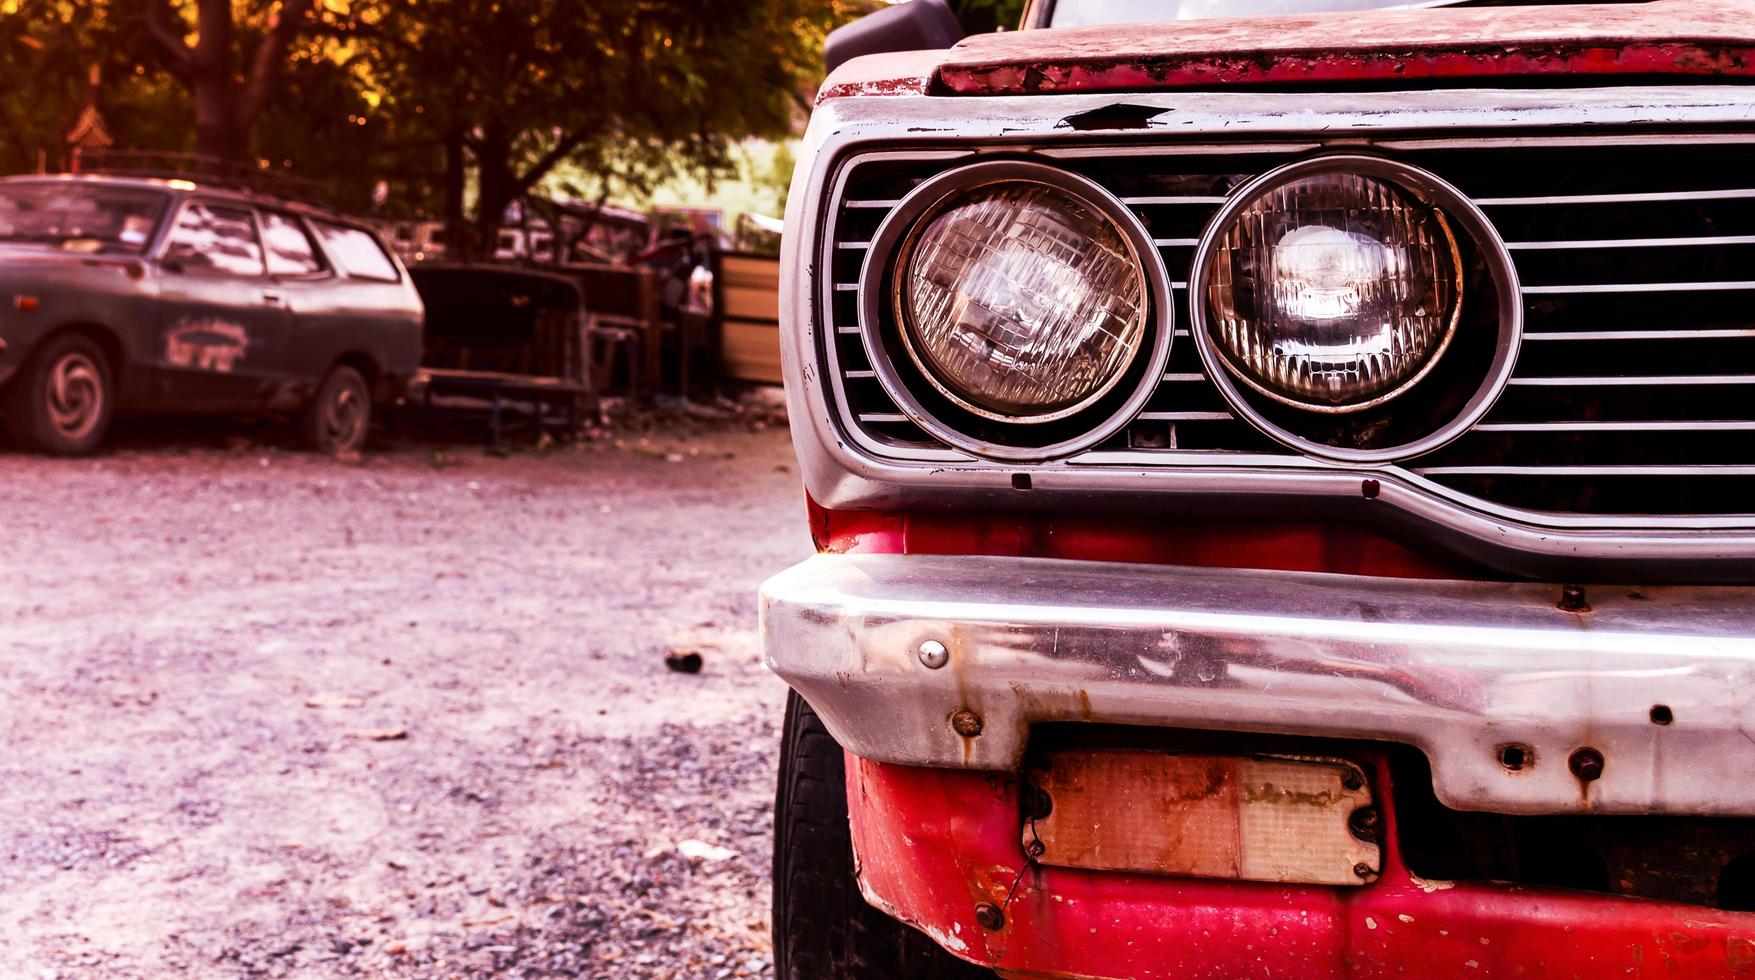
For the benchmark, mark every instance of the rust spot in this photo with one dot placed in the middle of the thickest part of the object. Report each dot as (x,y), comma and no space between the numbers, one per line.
(1515,756)
(966,723)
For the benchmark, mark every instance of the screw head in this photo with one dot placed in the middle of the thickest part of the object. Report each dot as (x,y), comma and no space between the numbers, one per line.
(1363,870)
(1586,764)
(1572,599)
(966,723)
(988,916)
(934,655)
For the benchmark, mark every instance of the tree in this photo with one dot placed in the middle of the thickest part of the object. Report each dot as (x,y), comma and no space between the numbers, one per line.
(227,99)
(628,91)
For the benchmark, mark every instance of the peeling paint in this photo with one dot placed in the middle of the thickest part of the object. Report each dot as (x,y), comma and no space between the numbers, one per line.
(1694,38)
(206,345)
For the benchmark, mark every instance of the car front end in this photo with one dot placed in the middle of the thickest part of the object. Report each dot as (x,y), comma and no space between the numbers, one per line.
(1282,492)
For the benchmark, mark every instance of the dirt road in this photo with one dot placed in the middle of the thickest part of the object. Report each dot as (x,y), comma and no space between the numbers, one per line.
(267,713)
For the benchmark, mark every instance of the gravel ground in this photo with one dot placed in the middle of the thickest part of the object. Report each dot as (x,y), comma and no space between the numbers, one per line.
(269,713)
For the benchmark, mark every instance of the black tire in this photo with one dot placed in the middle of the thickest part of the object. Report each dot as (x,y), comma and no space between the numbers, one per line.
(340,414)
(823,928)
(60,401)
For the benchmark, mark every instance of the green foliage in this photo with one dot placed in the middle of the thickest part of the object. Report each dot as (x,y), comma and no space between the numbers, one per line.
(987,16)
(447,102)
(626,93)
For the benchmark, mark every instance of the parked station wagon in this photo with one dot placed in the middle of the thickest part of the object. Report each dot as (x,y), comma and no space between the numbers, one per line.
(1285,491)
(167,295)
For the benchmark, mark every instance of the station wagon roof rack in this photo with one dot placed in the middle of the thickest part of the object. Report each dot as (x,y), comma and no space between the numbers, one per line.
(213,171)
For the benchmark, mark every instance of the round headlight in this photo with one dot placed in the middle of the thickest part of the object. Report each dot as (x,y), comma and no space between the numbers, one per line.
(1021,301)
(1333,292)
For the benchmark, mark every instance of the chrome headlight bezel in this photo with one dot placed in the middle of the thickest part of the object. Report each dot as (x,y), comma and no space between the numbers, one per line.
(959,422)
(1280,417)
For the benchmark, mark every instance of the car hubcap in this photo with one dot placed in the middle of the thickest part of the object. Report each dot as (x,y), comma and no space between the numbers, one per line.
(75,396)
(344,418)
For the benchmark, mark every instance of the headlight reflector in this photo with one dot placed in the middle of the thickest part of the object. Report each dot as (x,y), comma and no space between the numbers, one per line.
(1020,301)
(1334,292)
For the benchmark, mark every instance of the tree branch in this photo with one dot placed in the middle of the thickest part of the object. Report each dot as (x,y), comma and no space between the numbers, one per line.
(167,29)
(548,161)
(265,66)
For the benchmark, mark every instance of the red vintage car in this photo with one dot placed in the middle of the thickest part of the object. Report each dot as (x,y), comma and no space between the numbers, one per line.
(1284,480)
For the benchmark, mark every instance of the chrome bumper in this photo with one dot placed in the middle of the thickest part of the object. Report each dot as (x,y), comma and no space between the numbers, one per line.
(1457,669)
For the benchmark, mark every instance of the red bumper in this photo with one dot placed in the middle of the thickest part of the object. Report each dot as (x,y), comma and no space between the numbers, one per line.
(933,843)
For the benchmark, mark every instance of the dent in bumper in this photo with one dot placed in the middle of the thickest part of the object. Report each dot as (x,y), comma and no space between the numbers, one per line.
(1457,669)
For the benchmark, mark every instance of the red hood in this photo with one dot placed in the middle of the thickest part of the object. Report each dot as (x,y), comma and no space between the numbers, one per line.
(1692,38)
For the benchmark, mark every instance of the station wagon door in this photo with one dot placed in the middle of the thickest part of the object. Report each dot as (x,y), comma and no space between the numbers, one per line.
(222,326)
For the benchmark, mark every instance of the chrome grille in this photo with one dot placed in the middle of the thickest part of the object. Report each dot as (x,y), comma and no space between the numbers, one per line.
(1634,393)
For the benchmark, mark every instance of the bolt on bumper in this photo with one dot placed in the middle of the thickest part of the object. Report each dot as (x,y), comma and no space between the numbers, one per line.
(1637,706)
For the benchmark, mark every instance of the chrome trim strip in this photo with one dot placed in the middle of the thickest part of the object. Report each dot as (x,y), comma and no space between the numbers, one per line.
(1455,669)
(845,469)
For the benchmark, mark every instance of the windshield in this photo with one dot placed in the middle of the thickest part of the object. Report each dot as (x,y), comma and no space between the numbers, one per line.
(1073,13)
(85,217)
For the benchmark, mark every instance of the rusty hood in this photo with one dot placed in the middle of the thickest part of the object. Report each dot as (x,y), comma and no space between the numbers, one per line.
(1704,39)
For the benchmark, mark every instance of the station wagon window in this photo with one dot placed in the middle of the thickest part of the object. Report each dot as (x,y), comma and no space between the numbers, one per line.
(290,249)
(357,252)
(80,216)
(217,239)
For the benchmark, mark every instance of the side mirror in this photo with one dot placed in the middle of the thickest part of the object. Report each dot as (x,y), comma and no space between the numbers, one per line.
(918,25)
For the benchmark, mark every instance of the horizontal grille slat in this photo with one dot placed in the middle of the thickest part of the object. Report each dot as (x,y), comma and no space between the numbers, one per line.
(1635,380)
(1691,425)
(1185,416)
(1728,333)
(1173,199)
(1641,197)
(1641,287)
(1634,393)
(1596,243)
(1703,469)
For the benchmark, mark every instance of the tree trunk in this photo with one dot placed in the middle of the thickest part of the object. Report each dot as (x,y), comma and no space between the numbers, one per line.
(225,108)
(456,231)
(498,183)
(218,131)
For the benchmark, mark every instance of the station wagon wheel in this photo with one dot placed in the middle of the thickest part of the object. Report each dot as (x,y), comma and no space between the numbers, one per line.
(339,416)
(823,927)
(60,402)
